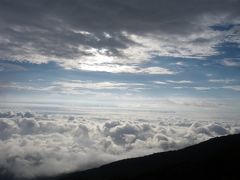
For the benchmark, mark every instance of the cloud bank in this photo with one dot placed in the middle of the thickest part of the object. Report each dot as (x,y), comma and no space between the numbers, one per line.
(40,144)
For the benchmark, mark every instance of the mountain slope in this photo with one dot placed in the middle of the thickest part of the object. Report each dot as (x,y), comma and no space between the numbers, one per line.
(217,158)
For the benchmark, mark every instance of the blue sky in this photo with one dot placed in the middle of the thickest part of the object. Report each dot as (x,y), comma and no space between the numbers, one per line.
(190,56)
(208,78)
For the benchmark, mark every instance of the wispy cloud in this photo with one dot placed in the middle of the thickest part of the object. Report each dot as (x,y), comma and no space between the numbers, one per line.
(233,87)
(179,63)
(199,88)
(76,87)
(207,88)
(232,62)
(11,67)
(180,82)
(160,82)
(77,84)
(172,82)
(225,81)
(116,68)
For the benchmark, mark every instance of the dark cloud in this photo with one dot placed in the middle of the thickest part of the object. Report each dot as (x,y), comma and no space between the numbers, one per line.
(114,15)
(57,30)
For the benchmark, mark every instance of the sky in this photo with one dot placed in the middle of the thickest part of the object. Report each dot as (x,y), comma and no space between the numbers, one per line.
(120,52)
(60,59)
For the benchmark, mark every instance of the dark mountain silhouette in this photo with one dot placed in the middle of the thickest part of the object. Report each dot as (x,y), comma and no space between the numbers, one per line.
(217,158)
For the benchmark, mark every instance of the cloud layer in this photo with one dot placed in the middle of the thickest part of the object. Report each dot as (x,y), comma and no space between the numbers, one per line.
(40,144)
(114,36)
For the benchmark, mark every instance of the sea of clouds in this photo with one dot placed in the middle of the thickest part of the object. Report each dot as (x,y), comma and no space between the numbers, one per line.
(36,144)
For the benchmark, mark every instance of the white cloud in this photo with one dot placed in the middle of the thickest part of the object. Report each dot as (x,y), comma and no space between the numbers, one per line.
(76,87)
(225,81)
(179,63)
(77,84)
(36,144)
(180,82)
(160,82)
(206,88)
(156,70)
(198,45)
(233,62)
(233,87)
(173,82)
(117,68)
